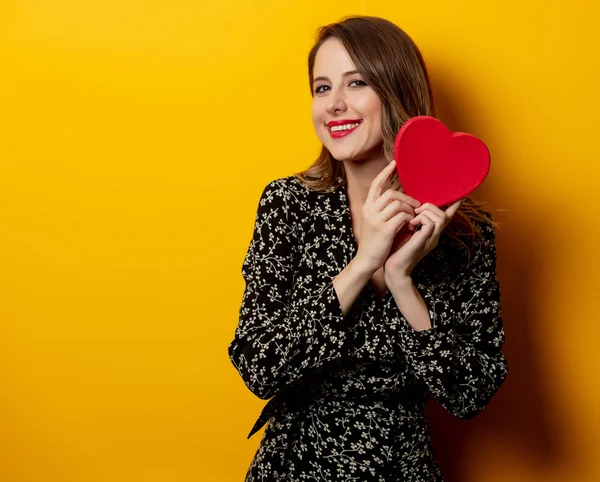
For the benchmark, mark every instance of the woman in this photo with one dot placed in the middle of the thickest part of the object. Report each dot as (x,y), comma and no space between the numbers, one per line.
(360,301)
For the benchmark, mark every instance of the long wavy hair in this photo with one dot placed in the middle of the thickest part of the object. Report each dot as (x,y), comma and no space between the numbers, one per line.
(393,66)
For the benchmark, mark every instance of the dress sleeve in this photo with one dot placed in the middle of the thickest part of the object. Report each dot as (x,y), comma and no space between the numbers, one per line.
(288,325)
(459,358)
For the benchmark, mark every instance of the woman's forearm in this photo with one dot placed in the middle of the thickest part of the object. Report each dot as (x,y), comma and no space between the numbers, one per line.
(410,303)
(349,283)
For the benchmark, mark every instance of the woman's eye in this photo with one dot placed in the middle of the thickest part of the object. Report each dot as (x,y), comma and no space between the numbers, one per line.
(354,83)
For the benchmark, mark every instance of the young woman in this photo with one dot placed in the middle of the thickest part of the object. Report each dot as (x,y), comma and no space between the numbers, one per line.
(361,302)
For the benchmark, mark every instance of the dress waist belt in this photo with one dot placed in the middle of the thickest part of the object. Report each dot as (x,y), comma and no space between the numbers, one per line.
(267,412)
(291,398)
(301,397)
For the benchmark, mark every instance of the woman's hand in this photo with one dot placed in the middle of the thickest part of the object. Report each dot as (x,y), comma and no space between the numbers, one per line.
(383,215)
(411,246)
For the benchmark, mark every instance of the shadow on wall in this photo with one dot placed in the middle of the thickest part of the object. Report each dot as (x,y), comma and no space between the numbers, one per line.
(517,416)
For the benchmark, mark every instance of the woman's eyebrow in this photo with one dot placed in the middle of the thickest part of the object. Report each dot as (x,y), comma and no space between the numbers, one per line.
(345,74)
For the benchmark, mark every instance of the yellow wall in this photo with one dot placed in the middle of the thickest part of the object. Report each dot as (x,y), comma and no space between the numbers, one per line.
(135,139)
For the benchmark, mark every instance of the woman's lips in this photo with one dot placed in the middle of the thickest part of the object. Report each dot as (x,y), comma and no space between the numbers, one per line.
(342,133)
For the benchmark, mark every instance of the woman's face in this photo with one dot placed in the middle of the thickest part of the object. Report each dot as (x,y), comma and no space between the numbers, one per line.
(346,111)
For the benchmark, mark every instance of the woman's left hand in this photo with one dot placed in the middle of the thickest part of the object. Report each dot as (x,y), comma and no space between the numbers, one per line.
(411,246)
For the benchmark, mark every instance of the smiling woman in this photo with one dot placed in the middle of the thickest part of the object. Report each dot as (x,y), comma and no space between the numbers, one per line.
(351,316)
(344,104)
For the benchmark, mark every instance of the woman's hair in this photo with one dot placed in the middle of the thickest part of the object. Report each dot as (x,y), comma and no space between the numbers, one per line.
(393,66)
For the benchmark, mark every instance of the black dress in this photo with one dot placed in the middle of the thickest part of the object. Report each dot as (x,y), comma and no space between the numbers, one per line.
(349,393)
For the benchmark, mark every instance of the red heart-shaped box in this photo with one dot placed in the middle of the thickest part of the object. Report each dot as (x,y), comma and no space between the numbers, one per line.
(437,165)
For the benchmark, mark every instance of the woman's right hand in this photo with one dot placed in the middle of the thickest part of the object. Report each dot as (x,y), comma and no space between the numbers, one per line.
(383,215)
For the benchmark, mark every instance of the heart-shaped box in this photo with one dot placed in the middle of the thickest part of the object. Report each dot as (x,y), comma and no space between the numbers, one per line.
(437,165)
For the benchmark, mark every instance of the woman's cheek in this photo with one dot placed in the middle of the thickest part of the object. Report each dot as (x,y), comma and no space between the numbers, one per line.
(317,120)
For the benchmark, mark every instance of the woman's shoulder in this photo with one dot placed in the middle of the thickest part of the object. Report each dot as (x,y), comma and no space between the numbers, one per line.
(286,192)
(299,184)
(295,194)
(289,183)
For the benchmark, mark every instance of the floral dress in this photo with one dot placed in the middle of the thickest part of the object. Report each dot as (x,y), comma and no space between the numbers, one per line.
(347,394)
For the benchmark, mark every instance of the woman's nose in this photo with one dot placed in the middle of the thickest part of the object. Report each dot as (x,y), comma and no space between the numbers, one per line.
(337,102)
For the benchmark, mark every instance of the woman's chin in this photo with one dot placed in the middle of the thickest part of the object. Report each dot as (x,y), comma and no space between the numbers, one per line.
(357,157)
(352,159)
(345,156)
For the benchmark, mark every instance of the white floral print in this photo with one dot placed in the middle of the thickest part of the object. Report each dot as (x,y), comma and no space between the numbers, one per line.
(347,394)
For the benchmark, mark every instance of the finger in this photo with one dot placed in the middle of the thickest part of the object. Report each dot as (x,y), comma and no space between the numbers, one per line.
(394,208)
(419,239)
(426,217)
(379,181)
(451,211)
(432,227)
(430,207)
(393,195)
(423,220)
(396,222)
(437,213)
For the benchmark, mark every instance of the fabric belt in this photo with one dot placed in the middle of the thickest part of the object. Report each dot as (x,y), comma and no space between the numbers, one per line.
(300,397)
(291,398)
(267,412)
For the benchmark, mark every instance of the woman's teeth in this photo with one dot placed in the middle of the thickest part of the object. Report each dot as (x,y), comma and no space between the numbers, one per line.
(344,127)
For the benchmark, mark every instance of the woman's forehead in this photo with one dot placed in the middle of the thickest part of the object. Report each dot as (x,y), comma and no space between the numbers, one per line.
(332,60)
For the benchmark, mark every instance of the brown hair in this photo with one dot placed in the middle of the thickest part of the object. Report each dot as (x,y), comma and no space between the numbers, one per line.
(393,66)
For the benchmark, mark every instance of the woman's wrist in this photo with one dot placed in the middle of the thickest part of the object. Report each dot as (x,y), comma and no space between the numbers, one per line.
(410,302)
(398,282)
(362,267)
(350,281)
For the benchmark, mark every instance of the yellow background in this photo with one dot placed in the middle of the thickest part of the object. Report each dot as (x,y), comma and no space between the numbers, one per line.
(135,140)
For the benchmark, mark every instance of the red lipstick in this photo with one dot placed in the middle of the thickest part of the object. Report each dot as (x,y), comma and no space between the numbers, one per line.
(342,133)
